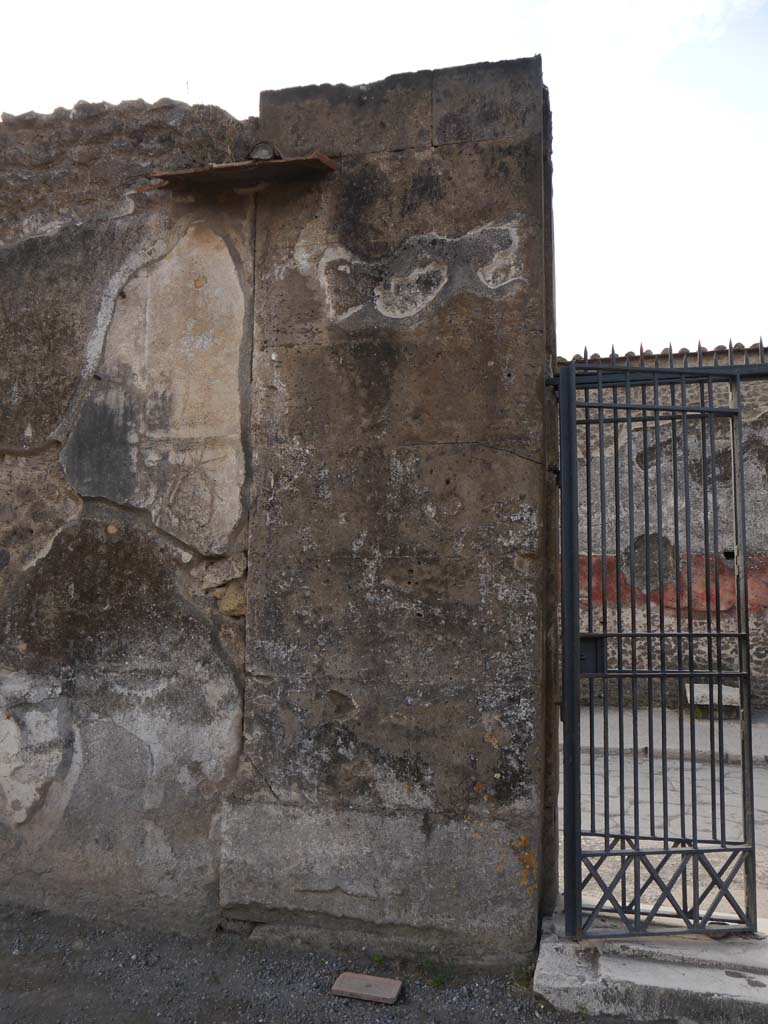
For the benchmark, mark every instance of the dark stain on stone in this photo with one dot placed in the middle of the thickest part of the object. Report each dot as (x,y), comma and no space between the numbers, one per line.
(347,764)
(513,162)
(17,534)
(103,599)
(408,768)
(363,189)
(375,362)
(424,187)
(697,467)
(512,779)
(344,768)
(723,468)
(5,557)
(465,124)
(756,450)
(488,112)
(97,458)
(158,409)
(427,826)
(342,704)
(451,126)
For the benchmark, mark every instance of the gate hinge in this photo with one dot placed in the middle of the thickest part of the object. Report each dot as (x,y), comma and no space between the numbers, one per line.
(556,470)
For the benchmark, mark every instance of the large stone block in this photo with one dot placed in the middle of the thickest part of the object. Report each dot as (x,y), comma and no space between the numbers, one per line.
(441,382)
(488,101)
(466,887)
(419,622)
(461,104)
(395,113)
(470,501)
(418,743)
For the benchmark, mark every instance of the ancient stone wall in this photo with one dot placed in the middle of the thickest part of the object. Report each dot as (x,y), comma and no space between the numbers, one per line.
(126,325)
(277,521)
(83,164)
(666,567)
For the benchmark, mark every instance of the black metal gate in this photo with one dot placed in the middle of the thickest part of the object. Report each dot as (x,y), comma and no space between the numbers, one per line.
(657,803)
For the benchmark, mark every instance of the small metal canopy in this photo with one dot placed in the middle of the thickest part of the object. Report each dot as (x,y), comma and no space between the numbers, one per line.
(247,172)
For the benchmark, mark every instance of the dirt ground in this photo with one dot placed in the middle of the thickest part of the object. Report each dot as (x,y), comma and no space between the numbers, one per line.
(61,970)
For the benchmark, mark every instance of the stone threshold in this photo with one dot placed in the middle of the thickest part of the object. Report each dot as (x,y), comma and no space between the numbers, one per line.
(683,978)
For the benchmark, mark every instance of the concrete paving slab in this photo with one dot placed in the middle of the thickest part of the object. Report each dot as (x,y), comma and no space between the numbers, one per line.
(679,978)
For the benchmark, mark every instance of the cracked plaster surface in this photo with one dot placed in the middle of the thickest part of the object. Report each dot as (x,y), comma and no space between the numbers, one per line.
(425,270)
(160,428)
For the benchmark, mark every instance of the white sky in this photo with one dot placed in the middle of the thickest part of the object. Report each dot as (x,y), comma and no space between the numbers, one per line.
(660,121)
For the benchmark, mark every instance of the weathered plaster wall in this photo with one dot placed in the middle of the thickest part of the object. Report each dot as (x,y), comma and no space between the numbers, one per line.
(126,324)
(317,410)
(392,779)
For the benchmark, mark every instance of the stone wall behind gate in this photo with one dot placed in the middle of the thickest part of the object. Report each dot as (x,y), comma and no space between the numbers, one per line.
(277,523)
(706,564)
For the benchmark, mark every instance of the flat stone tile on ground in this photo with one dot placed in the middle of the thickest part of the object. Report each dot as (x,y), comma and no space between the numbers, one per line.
(367,987)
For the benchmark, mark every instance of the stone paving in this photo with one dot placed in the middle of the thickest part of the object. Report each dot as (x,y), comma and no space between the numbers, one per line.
(718,801)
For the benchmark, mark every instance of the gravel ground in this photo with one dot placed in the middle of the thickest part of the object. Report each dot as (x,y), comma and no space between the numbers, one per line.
(61,970)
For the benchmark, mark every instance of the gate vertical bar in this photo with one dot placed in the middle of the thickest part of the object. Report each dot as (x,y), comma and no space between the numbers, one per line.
(569,469)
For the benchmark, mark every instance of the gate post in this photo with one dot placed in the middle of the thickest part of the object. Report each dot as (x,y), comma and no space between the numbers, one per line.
(570,633)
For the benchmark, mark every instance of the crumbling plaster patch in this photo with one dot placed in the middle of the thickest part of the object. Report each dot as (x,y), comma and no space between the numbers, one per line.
(105,657)
(56,306)
(424,269)
(120,671)
(36,503)
(34,743)
(160,426)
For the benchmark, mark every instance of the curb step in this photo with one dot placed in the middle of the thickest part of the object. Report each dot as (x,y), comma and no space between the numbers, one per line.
(679,978)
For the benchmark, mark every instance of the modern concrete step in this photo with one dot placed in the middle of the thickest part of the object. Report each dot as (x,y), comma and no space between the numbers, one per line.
(681,978)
